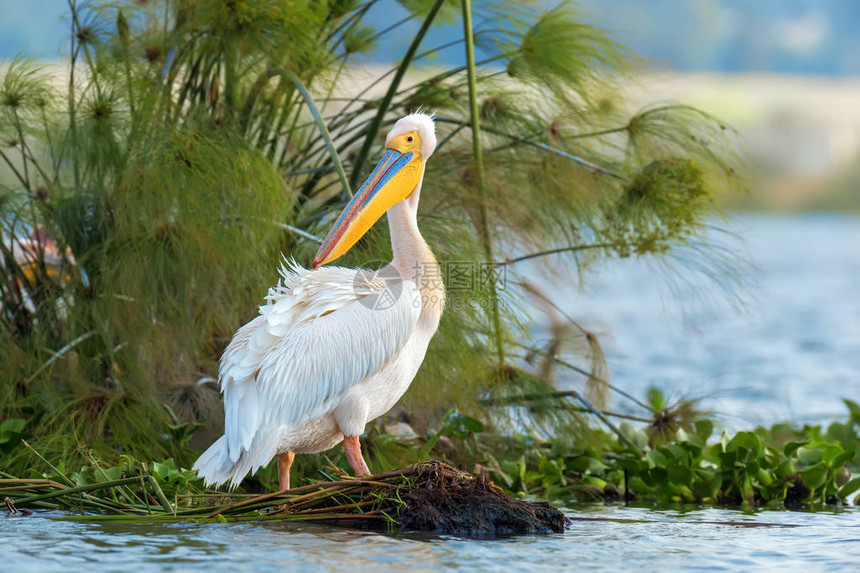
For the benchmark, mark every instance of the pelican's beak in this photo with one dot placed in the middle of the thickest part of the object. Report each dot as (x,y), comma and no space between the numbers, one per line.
(392,180)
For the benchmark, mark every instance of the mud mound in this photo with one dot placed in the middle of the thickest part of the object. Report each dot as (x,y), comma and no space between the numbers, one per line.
(440,498)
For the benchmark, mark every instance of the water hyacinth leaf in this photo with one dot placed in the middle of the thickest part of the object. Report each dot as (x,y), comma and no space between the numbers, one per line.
(522,468)
(771,456)
(750,467)
(676,452)
(727,459)
(747,490)
(837,461)
(830,453)
(579,463)
(693,446)
(656,459)
(809,456)
(786,469)
(679,473)
(815,476)
(708,483)
(745,441)
(849,488)
(704,429)
(628,429)
(853,409)
(552,472)
(639,486)
(597,482)
(507,479)
(596,466)
(791,447)
(657,477)
(764,477)
(634,465)
(846,434)
(161,469)
(109,474)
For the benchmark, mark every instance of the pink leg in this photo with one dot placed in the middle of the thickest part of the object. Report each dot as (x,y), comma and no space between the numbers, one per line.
(353,455)
(285,460)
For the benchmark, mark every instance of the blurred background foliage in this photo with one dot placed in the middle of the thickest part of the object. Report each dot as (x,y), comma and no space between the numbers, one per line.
(147,191)
(801,36)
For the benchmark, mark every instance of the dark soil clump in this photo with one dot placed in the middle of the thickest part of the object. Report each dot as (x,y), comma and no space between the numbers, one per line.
(443,499)
(796,494)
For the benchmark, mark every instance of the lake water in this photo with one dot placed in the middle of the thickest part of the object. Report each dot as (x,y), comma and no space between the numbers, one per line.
(641,538)
(793,355)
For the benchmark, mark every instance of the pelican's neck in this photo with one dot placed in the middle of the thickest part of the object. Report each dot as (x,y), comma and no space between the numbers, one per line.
(414,261)
(410,251)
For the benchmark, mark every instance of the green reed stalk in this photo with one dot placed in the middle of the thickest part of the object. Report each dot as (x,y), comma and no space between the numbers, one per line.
(79,489)
(479,173)
(47,463)
(159,495)
(73,52)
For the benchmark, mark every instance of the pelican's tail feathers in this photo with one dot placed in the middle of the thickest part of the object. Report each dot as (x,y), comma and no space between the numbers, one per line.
(215,466)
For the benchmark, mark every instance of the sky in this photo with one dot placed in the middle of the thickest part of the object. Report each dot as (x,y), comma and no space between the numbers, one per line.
(779,36)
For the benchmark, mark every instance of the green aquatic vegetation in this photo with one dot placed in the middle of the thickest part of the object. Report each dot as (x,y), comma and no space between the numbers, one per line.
(686,461)
(782,465)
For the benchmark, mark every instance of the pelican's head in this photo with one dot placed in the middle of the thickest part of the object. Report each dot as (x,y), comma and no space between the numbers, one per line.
(409,144)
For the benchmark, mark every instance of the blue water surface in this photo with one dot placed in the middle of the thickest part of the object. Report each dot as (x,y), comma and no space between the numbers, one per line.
(789,352)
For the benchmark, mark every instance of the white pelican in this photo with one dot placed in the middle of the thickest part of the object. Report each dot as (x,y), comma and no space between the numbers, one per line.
(334,348)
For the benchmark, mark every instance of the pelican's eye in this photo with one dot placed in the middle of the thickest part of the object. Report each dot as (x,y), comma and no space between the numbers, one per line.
(409,139)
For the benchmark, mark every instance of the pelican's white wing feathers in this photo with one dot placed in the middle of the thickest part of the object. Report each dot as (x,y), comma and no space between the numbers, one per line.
(312,342)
